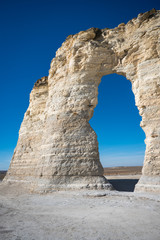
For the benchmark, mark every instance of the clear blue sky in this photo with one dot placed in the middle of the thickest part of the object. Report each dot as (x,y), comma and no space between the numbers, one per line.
(31,32)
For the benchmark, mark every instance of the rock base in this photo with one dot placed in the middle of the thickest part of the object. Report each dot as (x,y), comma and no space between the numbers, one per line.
(45,185)
(148,184)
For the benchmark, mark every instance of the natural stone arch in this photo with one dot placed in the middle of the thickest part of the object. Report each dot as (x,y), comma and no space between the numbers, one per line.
(57,148)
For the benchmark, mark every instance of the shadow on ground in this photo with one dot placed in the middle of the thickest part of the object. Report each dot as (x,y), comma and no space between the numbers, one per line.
(125,185)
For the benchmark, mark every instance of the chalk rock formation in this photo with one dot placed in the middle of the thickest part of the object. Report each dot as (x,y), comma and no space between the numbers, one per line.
(57,148)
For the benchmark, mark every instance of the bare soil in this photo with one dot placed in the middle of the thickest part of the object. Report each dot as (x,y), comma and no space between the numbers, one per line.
(78,215)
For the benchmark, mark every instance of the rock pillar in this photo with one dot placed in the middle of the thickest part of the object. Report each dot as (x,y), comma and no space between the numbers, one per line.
(57,148)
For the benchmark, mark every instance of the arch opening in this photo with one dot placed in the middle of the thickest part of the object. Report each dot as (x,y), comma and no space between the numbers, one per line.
(116,121)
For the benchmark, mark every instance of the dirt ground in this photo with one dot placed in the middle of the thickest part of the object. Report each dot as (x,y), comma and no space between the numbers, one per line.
(78,215)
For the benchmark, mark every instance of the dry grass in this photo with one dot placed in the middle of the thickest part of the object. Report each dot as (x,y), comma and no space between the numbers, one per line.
(123,171)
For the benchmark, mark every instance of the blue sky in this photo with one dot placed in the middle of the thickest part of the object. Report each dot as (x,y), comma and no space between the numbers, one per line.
(31,32)
(117,123)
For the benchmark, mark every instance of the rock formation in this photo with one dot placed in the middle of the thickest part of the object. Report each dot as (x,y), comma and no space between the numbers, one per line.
(57,148)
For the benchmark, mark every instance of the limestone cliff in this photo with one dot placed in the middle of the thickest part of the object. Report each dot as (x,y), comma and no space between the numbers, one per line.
(57,148)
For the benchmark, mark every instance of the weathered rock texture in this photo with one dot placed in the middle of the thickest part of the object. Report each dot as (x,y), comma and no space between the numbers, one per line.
(57,148)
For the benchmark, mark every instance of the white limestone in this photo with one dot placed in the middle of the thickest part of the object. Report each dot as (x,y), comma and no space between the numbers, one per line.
(57,148)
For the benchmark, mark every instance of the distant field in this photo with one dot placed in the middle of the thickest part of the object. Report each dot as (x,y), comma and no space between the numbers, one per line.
(107,171)
(123,171)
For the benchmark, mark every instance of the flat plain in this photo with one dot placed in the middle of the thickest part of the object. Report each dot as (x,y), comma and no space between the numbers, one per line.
(78,215)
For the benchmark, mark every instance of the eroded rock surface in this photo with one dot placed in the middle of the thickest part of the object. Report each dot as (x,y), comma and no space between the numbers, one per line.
(57,148)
